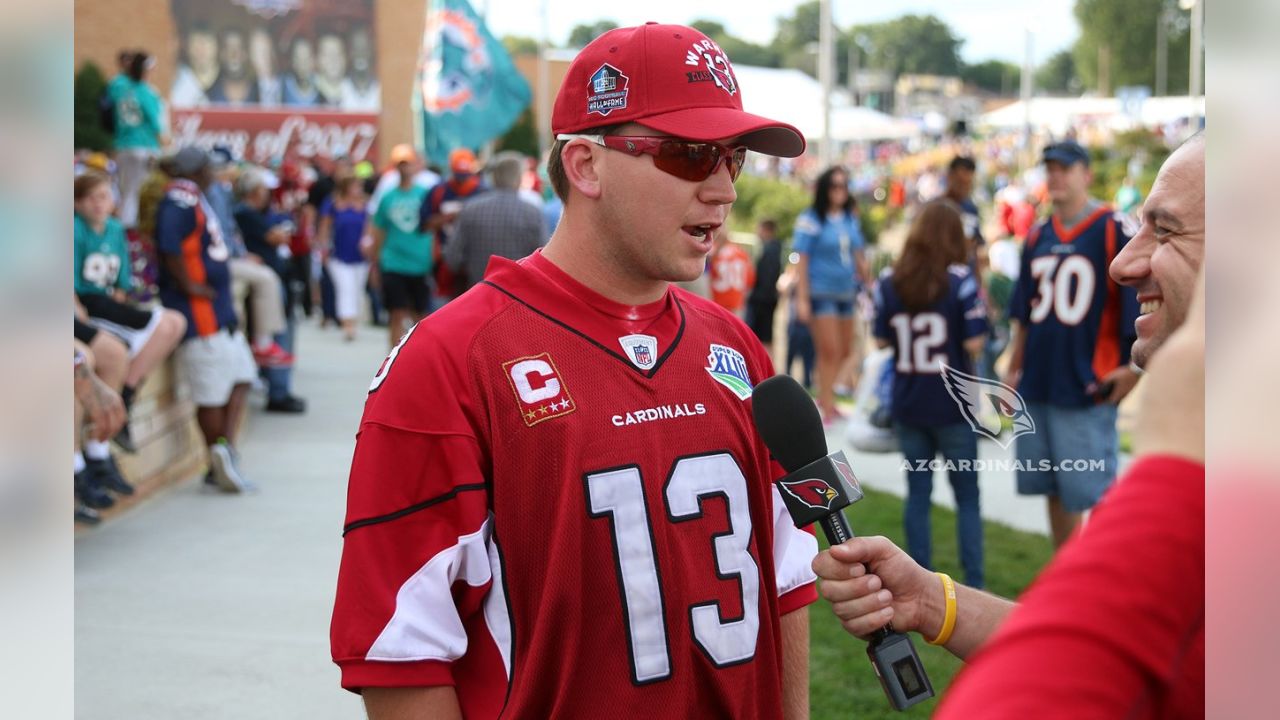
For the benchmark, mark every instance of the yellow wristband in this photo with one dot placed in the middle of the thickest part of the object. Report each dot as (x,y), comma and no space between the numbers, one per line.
(948,620)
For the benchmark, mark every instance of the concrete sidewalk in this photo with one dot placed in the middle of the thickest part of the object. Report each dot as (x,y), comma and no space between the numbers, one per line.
(200,605)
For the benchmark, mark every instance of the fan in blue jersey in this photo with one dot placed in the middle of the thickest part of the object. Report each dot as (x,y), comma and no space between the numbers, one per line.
(1072,334)
(928,310)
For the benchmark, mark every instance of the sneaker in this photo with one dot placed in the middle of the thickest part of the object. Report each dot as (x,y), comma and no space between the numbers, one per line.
(108,476)
(287,404)
(273,356)
(223,469)
(124,439)
(86,515)
(90,493)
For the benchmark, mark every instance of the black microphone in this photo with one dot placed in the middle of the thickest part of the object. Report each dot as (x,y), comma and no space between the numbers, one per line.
(817,488)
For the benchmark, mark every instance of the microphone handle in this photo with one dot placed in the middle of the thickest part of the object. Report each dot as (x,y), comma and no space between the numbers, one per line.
(836,527)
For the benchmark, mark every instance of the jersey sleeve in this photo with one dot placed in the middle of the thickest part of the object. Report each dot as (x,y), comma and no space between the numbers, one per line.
(974,311)
(793,553)
(880,326)
(174,223)
(416,565)
(1129,307)
(1020,302)
(78,255)
(380,214)
(806,233)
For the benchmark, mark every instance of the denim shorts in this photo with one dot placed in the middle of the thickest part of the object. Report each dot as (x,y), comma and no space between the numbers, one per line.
(840,307)
(1071,454)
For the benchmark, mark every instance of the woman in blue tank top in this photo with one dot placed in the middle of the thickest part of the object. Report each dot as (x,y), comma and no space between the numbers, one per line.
(342,223)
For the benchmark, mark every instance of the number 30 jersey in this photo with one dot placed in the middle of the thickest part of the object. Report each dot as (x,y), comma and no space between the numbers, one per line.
(1078,321)
(558,505)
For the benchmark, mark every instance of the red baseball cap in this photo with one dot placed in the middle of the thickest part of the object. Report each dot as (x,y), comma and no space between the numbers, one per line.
(670,78)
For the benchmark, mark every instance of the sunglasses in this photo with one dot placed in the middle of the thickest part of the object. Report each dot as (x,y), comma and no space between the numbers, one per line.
(686,159)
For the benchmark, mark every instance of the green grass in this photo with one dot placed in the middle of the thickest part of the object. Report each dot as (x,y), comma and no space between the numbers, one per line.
(842,683)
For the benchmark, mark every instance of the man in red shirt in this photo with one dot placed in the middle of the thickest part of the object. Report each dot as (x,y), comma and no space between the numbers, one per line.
(1114,627)
(557,505)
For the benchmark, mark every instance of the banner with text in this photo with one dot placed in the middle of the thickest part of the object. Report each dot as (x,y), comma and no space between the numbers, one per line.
(261,136)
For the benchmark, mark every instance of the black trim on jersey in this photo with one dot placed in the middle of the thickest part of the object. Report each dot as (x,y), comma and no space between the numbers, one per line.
(617,569)
(737,577)
(357,524)
(615,355)
(511,615)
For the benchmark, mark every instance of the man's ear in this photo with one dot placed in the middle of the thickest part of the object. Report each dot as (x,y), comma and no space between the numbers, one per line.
(580,167)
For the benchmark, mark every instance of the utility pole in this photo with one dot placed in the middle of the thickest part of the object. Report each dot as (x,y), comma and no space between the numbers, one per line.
(1028,67)
(1197,60)
(826,71)
(853,69)
(1162,51)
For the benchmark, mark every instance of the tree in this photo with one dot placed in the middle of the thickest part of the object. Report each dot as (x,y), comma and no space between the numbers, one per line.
(995,76)
(1124,31)
(1058,74)
(917,44)
(740,52)
(522,137)
(519,45)
(581,35)
(87,131)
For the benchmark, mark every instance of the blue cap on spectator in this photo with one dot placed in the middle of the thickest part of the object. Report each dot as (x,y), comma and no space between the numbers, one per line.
(221,155)
(1067,152)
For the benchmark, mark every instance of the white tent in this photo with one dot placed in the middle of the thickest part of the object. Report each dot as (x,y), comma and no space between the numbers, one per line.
(795,98)
(1059,114)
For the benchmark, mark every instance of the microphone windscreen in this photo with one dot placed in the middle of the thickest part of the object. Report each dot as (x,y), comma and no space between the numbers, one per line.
(788,422)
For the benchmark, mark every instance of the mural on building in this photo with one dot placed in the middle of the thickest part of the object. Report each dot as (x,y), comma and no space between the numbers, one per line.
(272,76)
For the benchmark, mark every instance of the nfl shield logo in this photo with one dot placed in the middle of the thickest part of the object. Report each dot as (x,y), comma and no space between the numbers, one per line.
(642,350)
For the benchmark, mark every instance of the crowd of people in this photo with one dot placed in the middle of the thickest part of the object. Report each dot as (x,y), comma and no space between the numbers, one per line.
(215,260)
(1046,325)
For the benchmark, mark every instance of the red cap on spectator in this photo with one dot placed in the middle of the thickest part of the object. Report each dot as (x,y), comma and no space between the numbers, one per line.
(670,78)
(462,161)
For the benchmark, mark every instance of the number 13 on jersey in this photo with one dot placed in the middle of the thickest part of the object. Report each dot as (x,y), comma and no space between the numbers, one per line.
(618,495)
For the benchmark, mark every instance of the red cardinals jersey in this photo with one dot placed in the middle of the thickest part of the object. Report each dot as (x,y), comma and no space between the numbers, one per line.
(559,506)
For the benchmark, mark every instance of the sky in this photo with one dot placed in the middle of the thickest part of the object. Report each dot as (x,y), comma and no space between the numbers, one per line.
(989,28)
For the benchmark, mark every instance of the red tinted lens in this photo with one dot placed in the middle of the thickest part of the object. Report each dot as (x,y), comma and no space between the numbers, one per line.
(693,161)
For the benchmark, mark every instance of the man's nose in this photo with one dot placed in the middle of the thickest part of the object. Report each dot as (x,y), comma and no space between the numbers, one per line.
(1133,263)
(718,189)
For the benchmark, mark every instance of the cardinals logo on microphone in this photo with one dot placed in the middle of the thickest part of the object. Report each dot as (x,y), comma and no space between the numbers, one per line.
(812,492)
(977,397)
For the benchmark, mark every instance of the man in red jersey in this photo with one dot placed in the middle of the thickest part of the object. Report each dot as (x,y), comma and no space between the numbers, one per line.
(558,506)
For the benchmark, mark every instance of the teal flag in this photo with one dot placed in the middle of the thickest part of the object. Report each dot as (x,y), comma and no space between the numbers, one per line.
(469,89)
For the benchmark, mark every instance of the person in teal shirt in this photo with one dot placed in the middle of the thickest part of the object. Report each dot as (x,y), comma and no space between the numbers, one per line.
(101,279)
(402,251)
(141,129)
(101,258)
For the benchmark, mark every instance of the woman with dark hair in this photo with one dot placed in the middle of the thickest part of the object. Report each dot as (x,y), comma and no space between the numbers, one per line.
(141,125)
(928,310)
(830,271)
